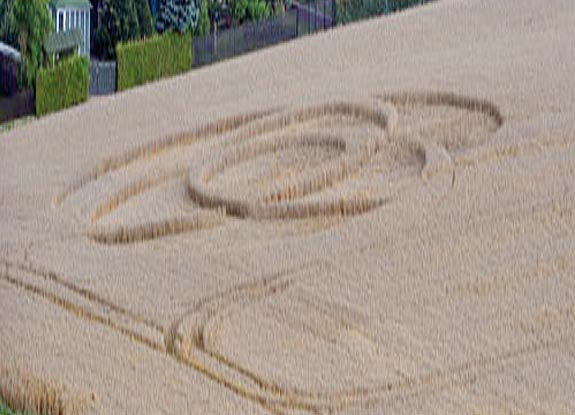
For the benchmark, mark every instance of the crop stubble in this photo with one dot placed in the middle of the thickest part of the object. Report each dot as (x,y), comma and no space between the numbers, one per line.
(403,252)
(411,137)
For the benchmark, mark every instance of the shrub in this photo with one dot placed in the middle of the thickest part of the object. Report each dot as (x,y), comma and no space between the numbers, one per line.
(203,27)
(244,10)
(62,86)
(8,32)
(215,10)
(258,10)
(177,15)
(145,20)
(238,10)
(33,22)
(157,57)
(351,10)
(119,23)
(278,8)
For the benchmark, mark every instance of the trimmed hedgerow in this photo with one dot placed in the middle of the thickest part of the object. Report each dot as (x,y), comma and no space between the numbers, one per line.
(62,86)
(351,10)
(153,58)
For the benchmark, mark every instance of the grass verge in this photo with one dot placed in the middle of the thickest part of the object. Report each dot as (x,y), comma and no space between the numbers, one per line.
(4,410)
(9,125)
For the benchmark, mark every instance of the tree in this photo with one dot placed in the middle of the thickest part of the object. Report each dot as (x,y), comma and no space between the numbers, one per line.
(178,15)
(258,9)
(203,27)
(278,8)
(33,22)
(8,32)
(118,23)
(238,10)
(145,20)
(244,10)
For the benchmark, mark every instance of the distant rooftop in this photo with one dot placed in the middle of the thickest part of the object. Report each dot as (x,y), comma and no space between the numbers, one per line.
(70,4)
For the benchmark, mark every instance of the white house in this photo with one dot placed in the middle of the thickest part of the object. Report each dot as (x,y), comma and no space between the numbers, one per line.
(70,15)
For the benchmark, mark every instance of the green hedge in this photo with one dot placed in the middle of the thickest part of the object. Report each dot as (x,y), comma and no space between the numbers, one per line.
(351,10)
(62,86)
(153,58)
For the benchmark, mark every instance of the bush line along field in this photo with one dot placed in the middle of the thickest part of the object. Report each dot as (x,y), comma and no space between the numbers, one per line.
(63,86)
(153,58)
(365,221)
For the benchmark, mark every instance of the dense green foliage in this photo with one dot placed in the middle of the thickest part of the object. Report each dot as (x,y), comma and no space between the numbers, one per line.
(245,10)
(145,20)
(352,10)
(62,86)
(238,9)
(177,15)
(258,9)
(278,8)
(203,27)
(121,21)
(8,32)
(157,57)
(118,23)
(33,22)
(215,10)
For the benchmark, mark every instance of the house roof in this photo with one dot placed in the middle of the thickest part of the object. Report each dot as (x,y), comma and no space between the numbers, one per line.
(71,4)
(62,41)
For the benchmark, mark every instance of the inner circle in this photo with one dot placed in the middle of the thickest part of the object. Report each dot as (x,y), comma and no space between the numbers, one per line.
(321,159)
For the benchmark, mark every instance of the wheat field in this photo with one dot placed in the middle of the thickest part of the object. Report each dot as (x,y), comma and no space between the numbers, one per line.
(376,219)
